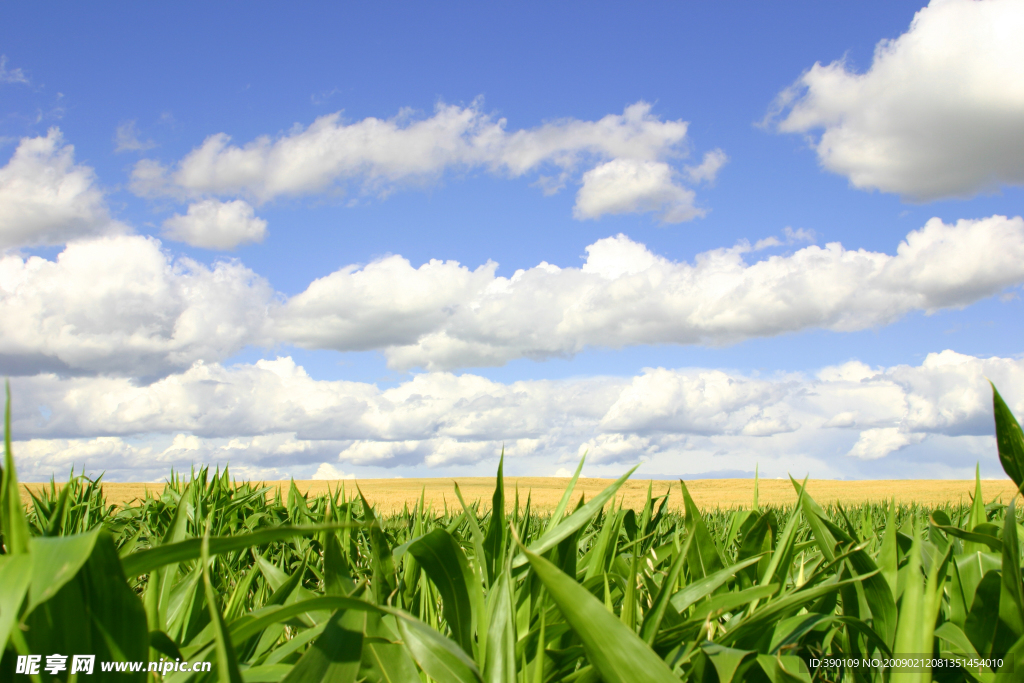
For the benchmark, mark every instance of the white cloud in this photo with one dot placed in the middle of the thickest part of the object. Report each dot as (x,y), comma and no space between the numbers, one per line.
(617,448)
(634,186)
(705,402)
(444,316)
(328,472)
(384,303)
(940,113)
(878,443)
(151,458)
(375,156)
(709,167)
(275,420)
(212,224)
(11,75)
(126,139)
(45,198)
(120,305)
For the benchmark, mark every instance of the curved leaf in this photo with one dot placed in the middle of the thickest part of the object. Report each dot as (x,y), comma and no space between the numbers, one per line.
(616,652)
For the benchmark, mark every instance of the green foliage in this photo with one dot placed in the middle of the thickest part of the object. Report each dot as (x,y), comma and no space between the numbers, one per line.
(271,585)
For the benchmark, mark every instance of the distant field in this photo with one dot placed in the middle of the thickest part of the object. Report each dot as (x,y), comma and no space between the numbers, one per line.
(390,495)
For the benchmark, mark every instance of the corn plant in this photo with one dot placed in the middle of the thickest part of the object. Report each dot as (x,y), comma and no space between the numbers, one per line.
(268,584)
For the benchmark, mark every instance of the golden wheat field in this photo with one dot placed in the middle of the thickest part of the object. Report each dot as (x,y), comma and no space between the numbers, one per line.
(391,495)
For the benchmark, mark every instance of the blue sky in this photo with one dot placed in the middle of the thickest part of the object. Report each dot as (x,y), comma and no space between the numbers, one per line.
(289,239)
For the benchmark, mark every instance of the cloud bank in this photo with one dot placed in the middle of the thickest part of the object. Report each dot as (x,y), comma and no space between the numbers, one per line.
(273,418)
(443,316)
(377,156)
(120,305)
(940,113)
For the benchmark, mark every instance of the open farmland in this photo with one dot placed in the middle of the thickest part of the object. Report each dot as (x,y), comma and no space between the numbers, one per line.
(392,495)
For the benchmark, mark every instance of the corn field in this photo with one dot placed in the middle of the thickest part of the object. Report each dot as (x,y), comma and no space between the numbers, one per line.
(270,585)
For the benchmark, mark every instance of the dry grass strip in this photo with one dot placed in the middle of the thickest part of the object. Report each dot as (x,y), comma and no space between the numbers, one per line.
(392,495)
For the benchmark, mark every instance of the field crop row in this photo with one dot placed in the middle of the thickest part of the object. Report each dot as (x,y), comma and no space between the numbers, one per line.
(392,496)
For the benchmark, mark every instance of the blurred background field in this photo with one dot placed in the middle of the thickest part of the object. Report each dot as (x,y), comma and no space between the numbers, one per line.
(392,495)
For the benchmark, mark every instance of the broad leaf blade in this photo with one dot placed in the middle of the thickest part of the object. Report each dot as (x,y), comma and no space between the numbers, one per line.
(616,652)
(446,565)
(1009,439)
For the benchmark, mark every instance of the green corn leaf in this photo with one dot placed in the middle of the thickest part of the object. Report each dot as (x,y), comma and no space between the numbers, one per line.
(784,669)
(983,618)
(653,618)
(15,576)
(500,663)
(616,652)
(494,542)
(145,561)
(788,632)
(250,624)
(382,563)
(729,602)
(13,524)
(888,557)
(1011,671)
(162,643)
(752,626)
(446,565)
(756,539)
(954,642)
(918,609)
(266,673)
(563,504)
(728,662)
(779,565)
(977,515)
(56,561)
(95,611)
(478,536)
(386,659)
(704,559)
(335,656)
(877,593)
(701,588)
(440,658)
(227,662)
(1009,439)
(973,540)
(814,516)
(1011,602)
(573,522)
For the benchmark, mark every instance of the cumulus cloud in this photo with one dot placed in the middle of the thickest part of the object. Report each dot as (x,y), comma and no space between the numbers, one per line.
(376,156)
(213,224)
(940,113)
(45,198)
(272,418)
(444,316)
(328,472)
(634,186)
(880,442)
(120,305)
